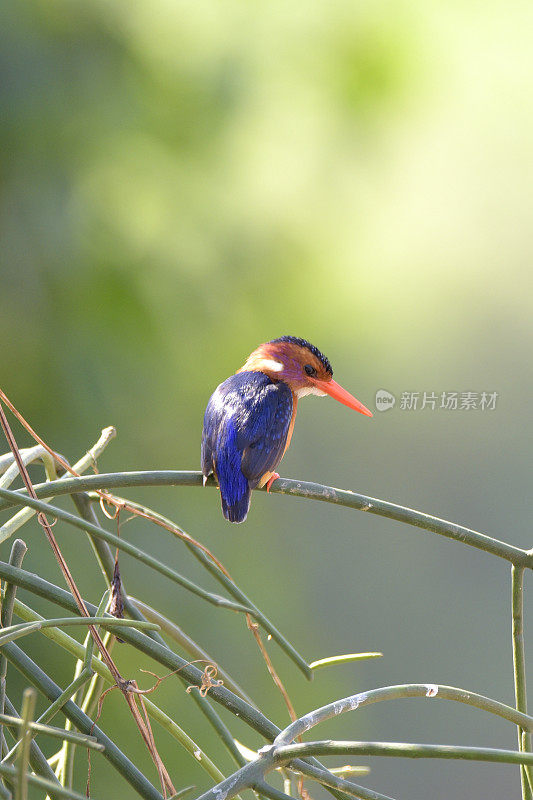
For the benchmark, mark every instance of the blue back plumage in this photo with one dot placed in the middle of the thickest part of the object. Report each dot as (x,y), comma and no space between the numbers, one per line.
(245,429)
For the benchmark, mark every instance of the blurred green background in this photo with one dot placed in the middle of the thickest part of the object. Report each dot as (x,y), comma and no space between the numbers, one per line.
(183,180)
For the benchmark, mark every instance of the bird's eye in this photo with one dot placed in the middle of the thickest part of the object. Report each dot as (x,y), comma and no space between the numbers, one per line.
(310,370)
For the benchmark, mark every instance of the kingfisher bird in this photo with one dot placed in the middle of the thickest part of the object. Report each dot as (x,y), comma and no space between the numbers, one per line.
(249,418)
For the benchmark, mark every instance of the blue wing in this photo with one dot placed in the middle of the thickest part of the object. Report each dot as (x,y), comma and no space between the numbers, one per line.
(246,424)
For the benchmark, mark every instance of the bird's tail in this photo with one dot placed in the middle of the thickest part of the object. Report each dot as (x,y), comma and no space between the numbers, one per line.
(236,510)
(234,487)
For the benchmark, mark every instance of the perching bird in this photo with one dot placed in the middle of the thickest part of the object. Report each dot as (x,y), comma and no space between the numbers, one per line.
(249,418)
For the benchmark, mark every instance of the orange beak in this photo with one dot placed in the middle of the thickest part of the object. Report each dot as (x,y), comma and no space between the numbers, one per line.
(336,391)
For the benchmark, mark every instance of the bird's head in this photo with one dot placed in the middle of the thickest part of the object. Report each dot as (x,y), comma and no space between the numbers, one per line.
(303,367)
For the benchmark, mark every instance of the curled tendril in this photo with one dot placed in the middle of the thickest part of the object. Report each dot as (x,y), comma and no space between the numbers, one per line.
(208,681)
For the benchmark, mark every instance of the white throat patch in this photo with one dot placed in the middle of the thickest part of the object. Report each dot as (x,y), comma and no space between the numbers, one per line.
(271,364)
(310,390)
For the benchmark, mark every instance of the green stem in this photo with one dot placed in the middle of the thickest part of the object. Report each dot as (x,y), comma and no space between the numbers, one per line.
(519,664)
(18,551)
(49,730)
(314,491)
(264,789)
(89,700)
(65,768)
(346,658)
(284,755)
(527,769)
(69,692)
(216,722)
(183,738)
(29,700)
(252,775)
(109,622)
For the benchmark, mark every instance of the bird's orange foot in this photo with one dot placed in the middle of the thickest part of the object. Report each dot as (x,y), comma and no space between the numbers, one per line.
(275,476)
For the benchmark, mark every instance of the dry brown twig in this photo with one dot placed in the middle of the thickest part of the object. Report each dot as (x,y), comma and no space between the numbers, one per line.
(254,628)
(135,694)
(120,682)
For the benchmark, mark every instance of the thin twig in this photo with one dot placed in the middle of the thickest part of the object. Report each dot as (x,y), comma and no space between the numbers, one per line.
(254,628)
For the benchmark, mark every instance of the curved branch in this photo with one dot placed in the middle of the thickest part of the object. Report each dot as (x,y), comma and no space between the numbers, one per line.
(314,491)
(355,701)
